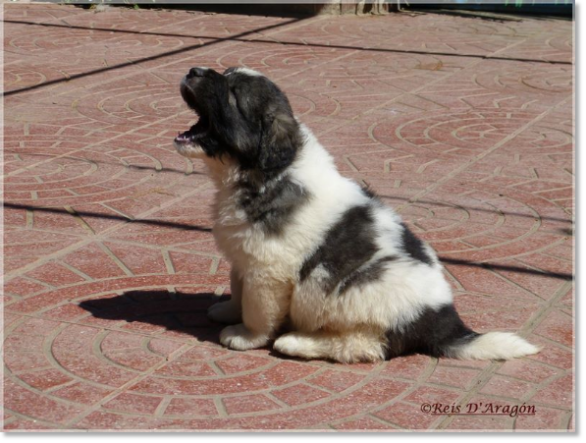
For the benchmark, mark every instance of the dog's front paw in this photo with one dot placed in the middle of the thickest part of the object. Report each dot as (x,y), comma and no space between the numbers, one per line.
(240,338)
(227,312)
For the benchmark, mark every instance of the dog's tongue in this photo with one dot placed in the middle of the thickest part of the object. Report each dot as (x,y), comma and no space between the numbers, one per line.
(183,137)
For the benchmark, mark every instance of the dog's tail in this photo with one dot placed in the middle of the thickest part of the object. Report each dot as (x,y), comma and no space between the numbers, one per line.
(441,332)
(490,346)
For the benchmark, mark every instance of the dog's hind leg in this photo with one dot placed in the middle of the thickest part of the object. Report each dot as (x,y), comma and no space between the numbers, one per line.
(345,347)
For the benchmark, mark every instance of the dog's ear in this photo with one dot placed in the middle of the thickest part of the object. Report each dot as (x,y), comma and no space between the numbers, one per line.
(279,142)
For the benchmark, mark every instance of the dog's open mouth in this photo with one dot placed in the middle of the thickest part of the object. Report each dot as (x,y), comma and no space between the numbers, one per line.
(197,131)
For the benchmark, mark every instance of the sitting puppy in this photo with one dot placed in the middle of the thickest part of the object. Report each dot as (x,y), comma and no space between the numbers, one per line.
(310,247)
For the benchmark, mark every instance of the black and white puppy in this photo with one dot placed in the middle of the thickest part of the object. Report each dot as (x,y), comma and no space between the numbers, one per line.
(310,247)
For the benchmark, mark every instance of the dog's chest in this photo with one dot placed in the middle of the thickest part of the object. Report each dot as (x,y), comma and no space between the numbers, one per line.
(248,247)
(237,236)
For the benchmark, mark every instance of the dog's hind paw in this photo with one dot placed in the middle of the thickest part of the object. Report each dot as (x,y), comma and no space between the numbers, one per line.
(295,346)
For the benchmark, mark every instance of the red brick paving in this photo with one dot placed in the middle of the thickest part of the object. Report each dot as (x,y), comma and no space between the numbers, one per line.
(464,125)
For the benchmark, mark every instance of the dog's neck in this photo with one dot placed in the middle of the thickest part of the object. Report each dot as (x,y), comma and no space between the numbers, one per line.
(241,195)
(228,174)
(224,172)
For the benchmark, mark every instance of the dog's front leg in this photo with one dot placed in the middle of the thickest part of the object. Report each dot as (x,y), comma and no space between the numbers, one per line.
(229,312)
(265,304)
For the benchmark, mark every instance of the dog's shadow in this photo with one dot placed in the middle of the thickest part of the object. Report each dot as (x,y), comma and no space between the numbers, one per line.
(156,310)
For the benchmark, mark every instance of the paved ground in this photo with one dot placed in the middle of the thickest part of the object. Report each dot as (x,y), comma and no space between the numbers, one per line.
(464,125)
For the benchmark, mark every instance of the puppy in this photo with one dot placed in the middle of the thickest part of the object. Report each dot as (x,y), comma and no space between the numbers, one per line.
(310,247)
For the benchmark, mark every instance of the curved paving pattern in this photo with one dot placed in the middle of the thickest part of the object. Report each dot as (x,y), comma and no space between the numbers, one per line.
(464,125)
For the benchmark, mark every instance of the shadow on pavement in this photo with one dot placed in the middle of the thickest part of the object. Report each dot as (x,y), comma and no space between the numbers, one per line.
(180,312)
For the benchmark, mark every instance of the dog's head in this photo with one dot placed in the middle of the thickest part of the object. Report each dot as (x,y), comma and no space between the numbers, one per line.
(242,115)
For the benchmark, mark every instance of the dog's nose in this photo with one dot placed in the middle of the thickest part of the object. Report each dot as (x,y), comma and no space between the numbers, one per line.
(196,72)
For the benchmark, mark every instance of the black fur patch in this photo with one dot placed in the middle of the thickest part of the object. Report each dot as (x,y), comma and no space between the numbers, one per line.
(348,245)
(432,333)
(369,274)
(274,206)
(414,246)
